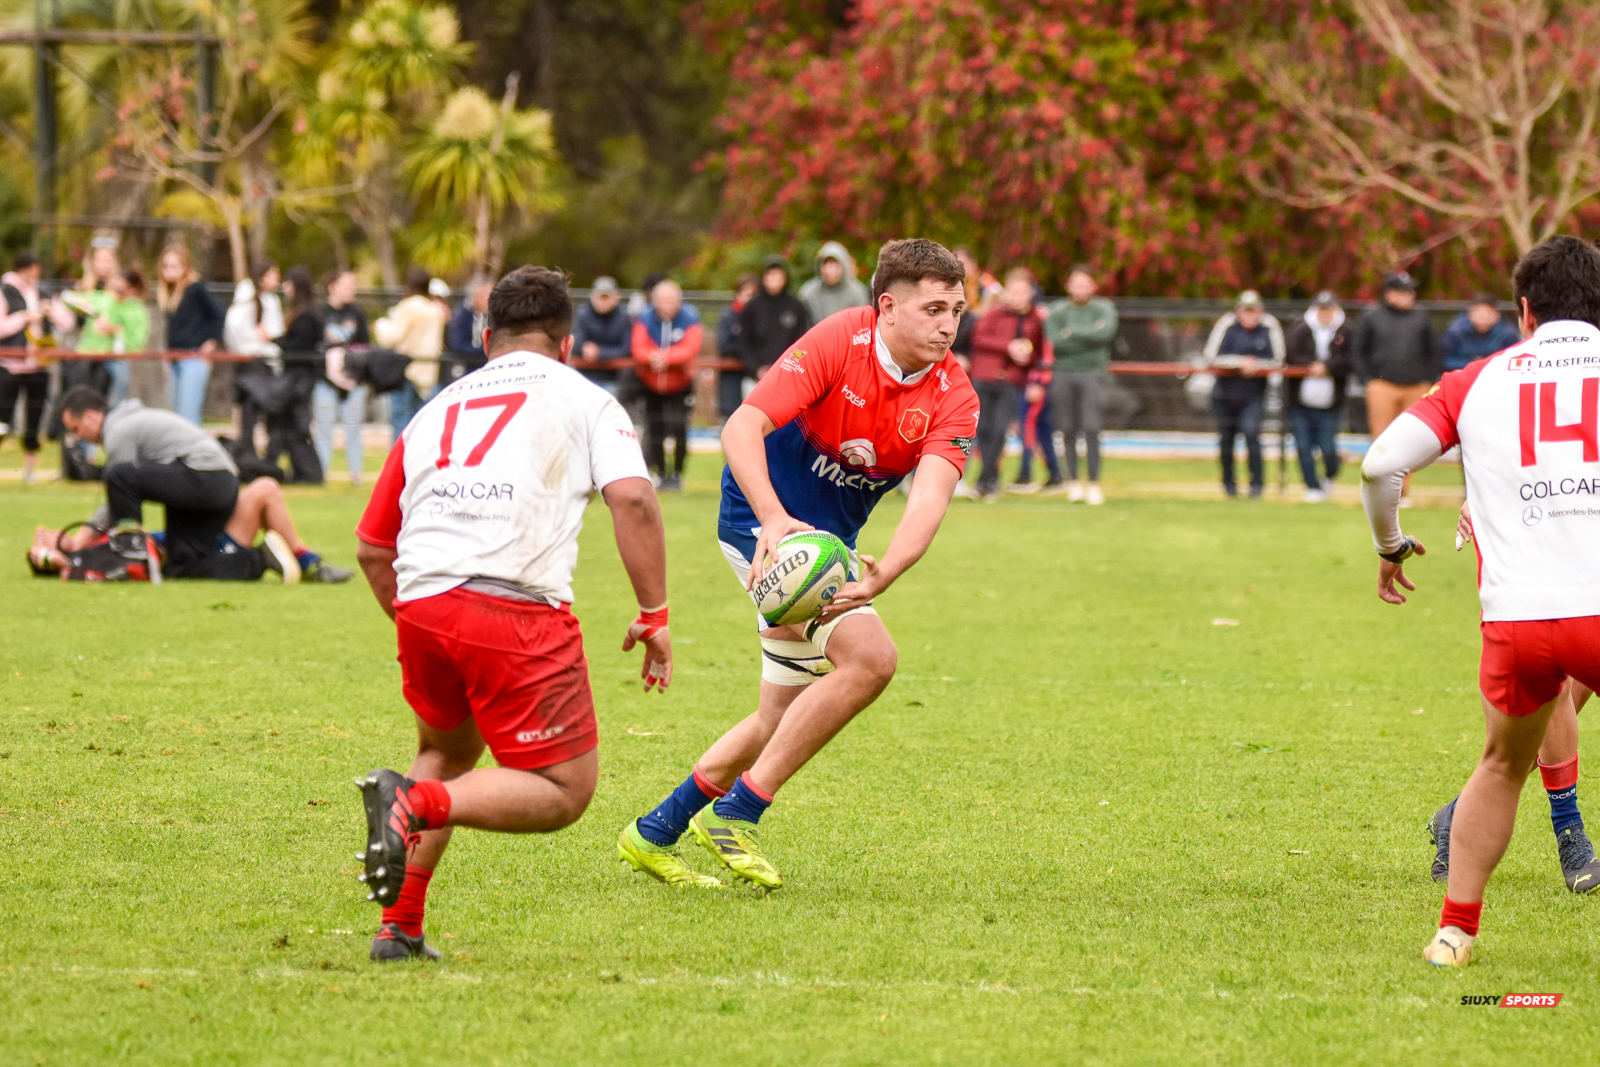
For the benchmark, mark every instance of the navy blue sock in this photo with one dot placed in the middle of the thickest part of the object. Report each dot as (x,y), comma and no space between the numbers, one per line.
(307,558)
(1561,786)
(671,818)
(743,802)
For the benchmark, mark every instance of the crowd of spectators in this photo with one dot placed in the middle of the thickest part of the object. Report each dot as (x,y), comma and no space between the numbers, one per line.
(1039,365)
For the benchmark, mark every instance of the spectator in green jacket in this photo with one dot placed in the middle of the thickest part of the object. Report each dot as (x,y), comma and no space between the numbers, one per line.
(1080,330)
(120,323)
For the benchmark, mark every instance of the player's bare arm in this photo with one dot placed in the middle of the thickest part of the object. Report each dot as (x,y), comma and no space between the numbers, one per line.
(931,492)
(641,542)
(377,563)
(743,438)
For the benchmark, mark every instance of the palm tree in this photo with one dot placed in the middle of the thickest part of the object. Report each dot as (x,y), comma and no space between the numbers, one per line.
(479,160)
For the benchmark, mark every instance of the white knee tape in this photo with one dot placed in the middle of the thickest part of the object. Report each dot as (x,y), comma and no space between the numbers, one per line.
(792,662)
(819,633)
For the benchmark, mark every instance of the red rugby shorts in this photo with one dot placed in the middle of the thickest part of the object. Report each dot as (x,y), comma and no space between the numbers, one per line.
(514,668)
(1525,664)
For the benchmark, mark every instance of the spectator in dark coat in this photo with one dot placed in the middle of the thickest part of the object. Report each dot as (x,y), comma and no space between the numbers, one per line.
(1007,342)
(289,428)
(1394,351)
(194,324)
(772,321)
(1249,343)
(1477,332)
(336,397)
(603,329)
(463,334)
(1320,342)
(730,345)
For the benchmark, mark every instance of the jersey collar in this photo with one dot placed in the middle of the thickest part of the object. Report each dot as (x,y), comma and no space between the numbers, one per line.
(892,368)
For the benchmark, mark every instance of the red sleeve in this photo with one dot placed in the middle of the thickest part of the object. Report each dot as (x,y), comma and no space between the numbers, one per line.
(807,371)
(643,347)
(955,425)
(380,523)
(1442,406)
(687,347)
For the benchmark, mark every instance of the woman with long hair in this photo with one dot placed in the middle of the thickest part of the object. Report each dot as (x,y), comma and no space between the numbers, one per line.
(194,323)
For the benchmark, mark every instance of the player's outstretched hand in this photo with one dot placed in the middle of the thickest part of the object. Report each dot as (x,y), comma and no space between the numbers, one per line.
(767,544)
(1390,574)
(856,594)
(657,641)
(1464,527)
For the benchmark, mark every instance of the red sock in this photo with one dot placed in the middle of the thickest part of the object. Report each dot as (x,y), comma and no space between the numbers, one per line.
(1463,915)
(431,801)
(407,911)
(707,786)
(1559,776)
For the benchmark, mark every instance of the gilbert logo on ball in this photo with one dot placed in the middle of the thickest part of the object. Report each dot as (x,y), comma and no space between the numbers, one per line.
(805,573)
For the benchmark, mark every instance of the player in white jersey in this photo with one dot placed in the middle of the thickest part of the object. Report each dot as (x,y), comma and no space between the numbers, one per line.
(1528,423)
(469,544)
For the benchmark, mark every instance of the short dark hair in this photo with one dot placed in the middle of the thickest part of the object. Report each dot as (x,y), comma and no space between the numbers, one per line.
(417,280)
(1560,279)
(81,398)
(532,300)
(24,260)
(1484,298)
(911,261)
(1080,268)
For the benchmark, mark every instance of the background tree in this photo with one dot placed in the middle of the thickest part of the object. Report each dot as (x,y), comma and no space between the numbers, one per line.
(1480,111)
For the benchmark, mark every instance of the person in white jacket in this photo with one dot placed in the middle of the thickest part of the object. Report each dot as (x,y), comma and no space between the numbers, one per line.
(254,318)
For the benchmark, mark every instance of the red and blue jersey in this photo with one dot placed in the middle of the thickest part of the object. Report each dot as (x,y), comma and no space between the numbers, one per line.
(851,425)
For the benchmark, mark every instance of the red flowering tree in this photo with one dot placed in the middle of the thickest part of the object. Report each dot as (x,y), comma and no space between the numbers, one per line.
(1123,133)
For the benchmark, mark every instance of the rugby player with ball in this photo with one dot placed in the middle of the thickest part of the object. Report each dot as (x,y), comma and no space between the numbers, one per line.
(866,397)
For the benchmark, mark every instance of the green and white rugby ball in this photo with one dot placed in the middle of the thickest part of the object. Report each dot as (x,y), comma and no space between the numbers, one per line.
(804,574)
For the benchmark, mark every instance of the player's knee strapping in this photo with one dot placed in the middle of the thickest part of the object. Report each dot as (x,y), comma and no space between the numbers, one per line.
(820,632)
(792,662)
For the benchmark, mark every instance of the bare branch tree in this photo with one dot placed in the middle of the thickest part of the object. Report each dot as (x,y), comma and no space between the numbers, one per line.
(1483,110)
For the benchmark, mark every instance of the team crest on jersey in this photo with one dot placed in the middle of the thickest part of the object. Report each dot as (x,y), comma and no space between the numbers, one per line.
(862,337)
(1525,364)
(858,453)
(914,425)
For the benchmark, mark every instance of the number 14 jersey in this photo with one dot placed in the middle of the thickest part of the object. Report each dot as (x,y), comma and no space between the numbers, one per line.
(491,478)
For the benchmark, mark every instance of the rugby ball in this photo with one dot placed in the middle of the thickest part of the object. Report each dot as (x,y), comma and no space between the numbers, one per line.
(804,574)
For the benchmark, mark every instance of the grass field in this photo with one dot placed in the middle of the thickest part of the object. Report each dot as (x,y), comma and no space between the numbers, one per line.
(1084,824)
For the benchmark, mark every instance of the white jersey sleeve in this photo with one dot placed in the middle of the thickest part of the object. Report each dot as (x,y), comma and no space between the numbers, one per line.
(614,447)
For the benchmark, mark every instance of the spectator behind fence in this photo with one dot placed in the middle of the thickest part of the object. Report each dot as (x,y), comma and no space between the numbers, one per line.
(414,327)
(835,287)
(1037,429)
(336,398)
(159,457)
(1477,332)
(463,336)
(666,340)
(289,420)
(603,329)
(1006,343)
(1321,342)
(22,377)
(730,345)
(1393,350)
(70,311)
(254,318)
(1081,329)
(194,322)
(772,321)
(118,322)
(1252,341)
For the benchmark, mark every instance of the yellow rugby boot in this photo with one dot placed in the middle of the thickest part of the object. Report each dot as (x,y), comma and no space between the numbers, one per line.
(662,864)
(1450,947)
(737,846)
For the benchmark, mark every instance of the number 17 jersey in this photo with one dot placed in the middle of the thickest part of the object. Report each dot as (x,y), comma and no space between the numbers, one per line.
(491,478)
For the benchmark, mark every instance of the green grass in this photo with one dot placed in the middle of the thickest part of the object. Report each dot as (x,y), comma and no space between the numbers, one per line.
(1083,825)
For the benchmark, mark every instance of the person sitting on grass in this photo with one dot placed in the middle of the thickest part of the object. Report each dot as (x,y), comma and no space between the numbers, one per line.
(212,521)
